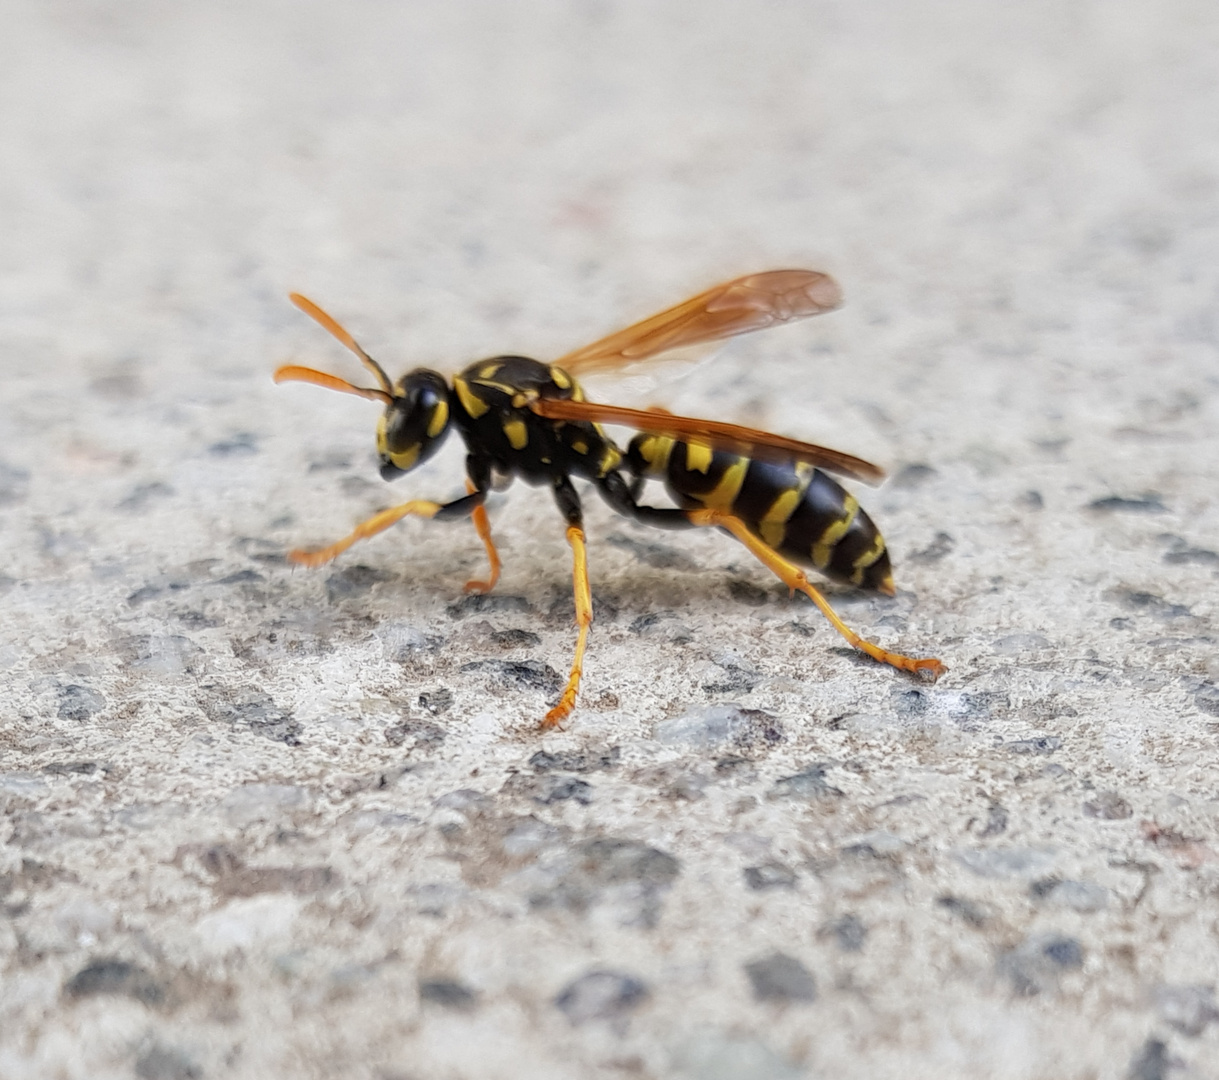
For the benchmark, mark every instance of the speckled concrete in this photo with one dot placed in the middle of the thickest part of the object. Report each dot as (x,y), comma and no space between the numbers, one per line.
(263,822)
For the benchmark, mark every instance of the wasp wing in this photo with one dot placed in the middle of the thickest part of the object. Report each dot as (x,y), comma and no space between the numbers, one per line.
(740,306)
(748,442)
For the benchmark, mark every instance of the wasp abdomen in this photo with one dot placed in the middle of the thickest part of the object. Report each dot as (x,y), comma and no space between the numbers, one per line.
(797,509)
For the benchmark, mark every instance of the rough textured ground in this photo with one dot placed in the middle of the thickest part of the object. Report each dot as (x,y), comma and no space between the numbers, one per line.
(264,822)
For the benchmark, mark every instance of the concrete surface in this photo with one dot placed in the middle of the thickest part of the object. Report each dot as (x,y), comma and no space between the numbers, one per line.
(261,822)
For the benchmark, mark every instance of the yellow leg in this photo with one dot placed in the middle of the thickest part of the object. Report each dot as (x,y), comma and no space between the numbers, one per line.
(375,524)
(794,578)
(482,526)
(584,619)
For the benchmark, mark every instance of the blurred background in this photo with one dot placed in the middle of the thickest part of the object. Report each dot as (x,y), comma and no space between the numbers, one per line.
(1021,203)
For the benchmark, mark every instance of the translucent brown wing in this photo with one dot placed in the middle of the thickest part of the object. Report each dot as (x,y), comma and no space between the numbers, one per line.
(748,303)
(732,437)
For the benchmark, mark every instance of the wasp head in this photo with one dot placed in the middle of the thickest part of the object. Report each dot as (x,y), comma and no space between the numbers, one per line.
(415,422)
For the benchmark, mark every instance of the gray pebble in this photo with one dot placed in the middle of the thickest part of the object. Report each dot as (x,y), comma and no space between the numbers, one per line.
(809,784)
(1042,744)
(771,875)
(780,977)
(519,674)
(115,977)
(353,581)
(79,702)
(716,726)
(448,993)
(1108,806)
(1151,1062)
(1034,966)
(1187,1008)
(601,995)
(160,1062)
(577,761)
(849,931)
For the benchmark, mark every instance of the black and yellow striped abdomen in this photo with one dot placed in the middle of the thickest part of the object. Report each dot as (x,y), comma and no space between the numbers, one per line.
(793,507)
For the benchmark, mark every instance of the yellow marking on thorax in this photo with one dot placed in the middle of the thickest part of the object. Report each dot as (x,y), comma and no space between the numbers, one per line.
(474,405)
(488,370)
(518,434)
(579,446)
(823,547)
(773,526)
(382,441)
(725,492)
(867,559)
(560,378)
(698,457)
(503,388)
(611,458)
(440,417)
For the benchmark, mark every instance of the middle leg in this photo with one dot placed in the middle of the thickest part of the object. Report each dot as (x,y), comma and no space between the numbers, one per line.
(569,503)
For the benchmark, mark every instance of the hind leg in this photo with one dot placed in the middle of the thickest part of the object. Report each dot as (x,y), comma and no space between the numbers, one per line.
(793,577)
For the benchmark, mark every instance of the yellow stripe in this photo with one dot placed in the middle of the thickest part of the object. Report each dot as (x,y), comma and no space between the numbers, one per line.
(867,559)
(560,378)
(440,417)
(824,546)
(488,370)
(698,457)
(518,434)
(475,406)
(722,495)
(773,526)
(655,450)
(580,446)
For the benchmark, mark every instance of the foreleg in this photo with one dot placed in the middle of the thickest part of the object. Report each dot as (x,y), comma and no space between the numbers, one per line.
(380,522)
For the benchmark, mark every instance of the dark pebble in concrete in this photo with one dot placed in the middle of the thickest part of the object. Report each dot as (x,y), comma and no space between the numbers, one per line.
(601,995)
(809,784)
(115,977)
(1149,503)
(520,674)
(577,761)
(850,933)
(782,978)
(1151,1062)
(79,702)
(1108,806)
(160,1062)
(515,639)
(1042,744)
(353,581)
(447,993)
(436,701)
(771,875)
(487,603)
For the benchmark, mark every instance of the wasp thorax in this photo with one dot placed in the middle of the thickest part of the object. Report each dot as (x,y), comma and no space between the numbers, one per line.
(414,423)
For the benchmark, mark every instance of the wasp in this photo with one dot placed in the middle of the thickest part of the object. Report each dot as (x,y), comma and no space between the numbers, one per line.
(522,418)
